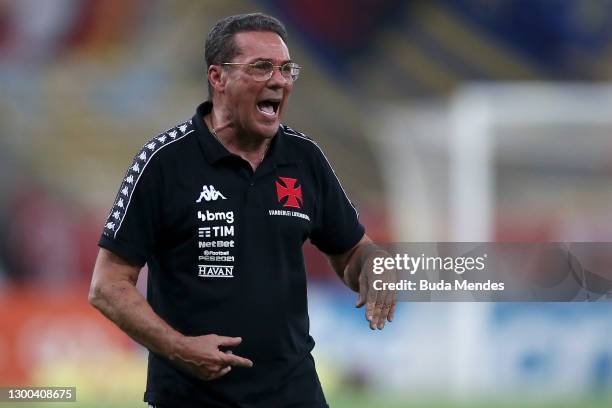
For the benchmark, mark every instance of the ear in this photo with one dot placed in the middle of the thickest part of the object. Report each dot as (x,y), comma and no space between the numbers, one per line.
(217,77)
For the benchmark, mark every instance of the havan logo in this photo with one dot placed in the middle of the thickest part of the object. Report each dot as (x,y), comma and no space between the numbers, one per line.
(215,271)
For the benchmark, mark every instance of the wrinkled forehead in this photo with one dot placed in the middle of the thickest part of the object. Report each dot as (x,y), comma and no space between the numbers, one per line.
(264,45)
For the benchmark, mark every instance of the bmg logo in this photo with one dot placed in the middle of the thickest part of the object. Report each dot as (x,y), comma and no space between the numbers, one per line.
(216,216)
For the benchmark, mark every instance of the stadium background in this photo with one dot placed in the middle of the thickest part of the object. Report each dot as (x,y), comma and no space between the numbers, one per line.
(388,89)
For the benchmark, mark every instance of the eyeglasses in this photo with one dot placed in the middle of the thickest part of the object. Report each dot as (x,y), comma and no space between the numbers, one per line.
(263,70)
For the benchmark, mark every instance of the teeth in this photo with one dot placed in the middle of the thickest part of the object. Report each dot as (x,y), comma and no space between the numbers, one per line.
(266,109)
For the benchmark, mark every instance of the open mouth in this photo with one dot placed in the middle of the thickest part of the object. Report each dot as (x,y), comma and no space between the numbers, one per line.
(268,107)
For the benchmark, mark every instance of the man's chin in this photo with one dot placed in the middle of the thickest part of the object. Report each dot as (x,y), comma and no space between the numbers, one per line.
(267,131)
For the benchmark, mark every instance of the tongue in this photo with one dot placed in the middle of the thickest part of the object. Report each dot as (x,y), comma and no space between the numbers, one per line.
(266,108)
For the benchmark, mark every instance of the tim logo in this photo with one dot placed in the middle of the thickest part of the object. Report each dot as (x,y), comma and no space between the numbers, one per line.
(285,187)
(209,194)
(215,271)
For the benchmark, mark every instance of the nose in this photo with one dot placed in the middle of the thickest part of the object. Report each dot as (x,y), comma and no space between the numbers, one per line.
(277,79)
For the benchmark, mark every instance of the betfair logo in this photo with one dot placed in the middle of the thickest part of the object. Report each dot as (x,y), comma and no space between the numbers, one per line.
(209,193)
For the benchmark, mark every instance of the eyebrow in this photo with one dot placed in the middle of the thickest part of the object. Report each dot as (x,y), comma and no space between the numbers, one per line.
(269,60)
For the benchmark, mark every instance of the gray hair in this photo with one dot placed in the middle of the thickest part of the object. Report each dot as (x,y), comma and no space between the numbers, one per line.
(220,45)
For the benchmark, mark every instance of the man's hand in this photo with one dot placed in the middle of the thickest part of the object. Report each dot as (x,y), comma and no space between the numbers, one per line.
(113,292)
(380,304)
(201,357)
(355,269)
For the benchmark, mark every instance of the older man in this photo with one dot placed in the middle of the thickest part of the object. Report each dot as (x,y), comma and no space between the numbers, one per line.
(219,207)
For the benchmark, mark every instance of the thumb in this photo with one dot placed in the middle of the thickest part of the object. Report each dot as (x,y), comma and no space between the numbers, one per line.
(229,341)
(363,289)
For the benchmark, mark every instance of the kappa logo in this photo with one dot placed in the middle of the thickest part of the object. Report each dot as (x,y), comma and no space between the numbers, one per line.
(288,189)
(209,193)
(215,271)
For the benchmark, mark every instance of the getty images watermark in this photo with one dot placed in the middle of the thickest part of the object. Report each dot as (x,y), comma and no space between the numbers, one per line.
(494,271)
(414,264)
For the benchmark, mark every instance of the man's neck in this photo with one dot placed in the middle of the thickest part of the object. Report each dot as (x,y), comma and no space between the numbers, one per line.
(251,148)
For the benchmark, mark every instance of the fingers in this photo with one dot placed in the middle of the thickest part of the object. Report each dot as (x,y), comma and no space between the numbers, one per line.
(373,307)
(363,290)
(219,373)
(382,308)
(224,365)
(392,308)
(391,313)
(201,356)
(383,312)
(374,292)
(369,313)
(371,295)
(385,307)
(234,360)
(229,341)
(376,315)
(225,370)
